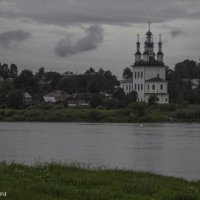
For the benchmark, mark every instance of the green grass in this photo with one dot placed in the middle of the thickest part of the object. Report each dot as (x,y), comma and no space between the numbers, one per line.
(132,113)
(59,182)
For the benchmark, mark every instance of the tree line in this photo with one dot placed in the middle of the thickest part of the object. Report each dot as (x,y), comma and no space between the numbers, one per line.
(180,84)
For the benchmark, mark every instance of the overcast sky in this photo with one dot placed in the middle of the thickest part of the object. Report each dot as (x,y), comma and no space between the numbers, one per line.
(74,35)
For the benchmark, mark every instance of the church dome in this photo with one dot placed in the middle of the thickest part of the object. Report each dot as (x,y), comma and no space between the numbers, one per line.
(149,33)
(138,53)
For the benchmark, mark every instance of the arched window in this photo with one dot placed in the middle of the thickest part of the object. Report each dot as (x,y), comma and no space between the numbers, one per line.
(153,87)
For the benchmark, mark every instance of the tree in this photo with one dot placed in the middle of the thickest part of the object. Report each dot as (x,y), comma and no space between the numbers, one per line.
(6,86)
(26,81)
(119,94)
(13,71)
(41,73)
(127,73)
(188,69)
(15,99)
(153,100)
(131,98)
(90,71)
(93,86)
(4,71)
(96,100)
(54,77)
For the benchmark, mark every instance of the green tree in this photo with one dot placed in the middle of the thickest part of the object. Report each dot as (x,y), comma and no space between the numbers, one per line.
(6,86)
(119,94)
(131,98)
(4,71)
(15,99)
(93,86)
(153,100)
(127,73)
(41,73)
(13,71)
(90,71)
(54,77)
(96,100)
(27,82)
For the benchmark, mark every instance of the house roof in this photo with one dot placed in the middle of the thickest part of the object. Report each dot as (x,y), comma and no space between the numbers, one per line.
(27,95)
(57,94)
(156,79)
(150,63)
(49,99)
(129,80)
(82,95)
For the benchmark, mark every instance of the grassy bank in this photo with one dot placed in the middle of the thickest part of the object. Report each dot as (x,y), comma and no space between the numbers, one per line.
(132,113)
(58,182)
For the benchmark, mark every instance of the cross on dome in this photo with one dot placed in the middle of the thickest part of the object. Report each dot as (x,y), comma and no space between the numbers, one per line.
(149,22)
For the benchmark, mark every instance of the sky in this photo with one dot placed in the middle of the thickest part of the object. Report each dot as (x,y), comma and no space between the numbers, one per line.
(74,35)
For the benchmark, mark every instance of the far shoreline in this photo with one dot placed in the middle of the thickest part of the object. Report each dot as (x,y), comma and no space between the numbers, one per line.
(133,113)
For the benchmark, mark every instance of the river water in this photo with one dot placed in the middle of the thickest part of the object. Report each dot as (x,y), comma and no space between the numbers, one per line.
(164,148)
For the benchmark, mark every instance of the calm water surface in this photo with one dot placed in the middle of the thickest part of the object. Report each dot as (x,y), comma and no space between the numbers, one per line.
(169,149)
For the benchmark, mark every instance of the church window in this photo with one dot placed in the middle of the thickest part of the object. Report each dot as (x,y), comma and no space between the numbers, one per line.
(161,87)
(153,87)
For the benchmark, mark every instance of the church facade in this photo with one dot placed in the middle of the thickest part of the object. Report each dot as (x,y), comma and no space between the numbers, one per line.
(149,73)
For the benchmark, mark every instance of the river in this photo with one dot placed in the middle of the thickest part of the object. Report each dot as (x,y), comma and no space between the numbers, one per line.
(163,148)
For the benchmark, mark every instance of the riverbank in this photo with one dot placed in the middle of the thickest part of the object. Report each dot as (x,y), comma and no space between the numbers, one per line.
(132,113)
(56,182)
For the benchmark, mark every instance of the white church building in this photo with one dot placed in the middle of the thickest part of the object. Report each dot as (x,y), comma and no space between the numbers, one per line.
(148,73)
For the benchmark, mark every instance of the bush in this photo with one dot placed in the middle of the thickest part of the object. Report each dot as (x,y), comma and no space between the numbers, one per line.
(113,103)
(15,99)
(96,100)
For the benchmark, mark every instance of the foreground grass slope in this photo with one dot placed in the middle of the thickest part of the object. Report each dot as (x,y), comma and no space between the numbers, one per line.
(58,182)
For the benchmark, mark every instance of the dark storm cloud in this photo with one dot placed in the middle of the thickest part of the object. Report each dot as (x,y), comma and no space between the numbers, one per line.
(94,36)
(9,37)
(65,12)
(176,32)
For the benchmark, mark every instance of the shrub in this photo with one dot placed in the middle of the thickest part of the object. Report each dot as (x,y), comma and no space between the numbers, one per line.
(15,99)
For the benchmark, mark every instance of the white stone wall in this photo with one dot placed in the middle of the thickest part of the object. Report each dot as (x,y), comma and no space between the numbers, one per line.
(156,87)
(153,71)
(138,82)
(143,73)
(127,87)
(163,98)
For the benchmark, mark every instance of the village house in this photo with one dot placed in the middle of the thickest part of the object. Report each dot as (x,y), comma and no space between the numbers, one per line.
(79,99)
(56,96)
